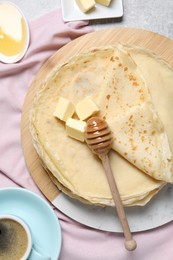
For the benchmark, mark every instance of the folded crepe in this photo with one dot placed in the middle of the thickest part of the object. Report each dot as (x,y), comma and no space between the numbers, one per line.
(139,133)
(116,79)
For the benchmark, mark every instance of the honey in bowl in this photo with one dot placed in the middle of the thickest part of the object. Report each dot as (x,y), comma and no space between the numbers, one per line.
(14,33)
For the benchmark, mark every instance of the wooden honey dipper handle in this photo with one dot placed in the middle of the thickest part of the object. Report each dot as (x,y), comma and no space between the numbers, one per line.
(130,243)
(99,139)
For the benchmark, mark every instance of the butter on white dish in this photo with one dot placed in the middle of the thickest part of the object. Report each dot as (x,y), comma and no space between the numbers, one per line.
(104,2)
(75,129)
(64,109)
(14,33)
(86,5)
(86,108)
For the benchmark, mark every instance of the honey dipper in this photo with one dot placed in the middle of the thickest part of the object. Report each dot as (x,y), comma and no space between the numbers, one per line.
(99,138)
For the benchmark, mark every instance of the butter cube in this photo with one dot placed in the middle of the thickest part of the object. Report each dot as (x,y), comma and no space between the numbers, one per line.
(86,108)
(104,2)
(85,5)
(75,129)
(64,109)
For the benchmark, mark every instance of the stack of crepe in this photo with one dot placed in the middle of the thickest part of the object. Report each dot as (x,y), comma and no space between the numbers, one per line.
(132,88)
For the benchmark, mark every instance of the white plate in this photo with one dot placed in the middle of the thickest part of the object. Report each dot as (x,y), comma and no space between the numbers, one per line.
(71,11)
(157,212)
(37,214)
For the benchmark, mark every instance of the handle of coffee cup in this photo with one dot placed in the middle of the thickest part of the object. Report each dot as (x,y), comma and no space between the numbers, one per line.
(38,253)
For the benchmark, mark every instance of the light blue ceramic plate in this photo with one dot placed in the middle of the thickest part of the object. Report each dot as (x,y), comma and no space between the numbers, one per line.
(37,214)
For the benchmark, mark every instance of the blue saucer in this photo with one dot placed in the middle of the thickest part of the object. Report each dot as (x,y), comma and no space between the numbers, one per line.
(37,214)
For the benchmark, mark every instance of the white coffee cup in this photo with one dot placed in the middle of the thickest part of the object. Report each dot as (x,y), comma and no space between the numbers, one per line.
(16,238)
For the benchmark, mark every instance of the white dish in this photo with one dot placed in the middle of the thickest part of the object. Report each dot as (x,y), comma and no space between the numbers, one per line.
(157,212)
(71,11)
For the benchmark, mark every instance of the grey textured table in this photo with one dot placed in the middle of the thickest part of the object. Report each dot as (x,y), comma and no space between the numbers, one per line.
(153,15)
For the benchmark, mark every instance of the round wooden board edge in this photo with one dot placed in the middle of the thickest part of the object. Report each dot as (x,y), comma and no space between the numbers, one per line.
(159,44)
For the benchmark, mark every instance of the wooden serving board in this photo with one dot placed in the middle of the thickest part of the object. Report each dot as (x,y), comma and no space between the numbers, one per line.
(159,44)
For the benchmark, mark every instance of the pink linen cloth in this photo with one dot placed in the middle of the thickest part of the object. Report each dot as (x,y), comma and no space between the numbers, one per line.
(48,34)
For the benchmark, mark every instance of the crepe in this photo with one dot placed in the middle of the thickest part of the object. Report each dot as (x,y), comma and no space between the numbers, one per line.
(139,134)
(116,79)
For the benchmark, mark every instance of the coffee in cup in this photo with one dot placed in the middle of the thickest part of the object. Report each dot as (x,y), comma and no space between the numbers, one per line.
(15,240)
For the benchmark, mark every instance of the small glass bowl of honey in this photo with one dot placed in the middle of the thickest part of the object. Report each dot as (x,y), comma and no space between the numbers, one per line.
(14,33)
